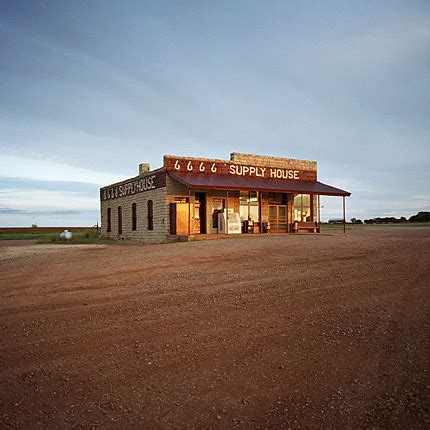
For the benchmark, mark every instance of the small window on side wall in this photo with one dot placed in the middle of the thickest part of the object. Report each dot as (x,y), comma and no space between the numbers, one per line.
(150,215)
(133,216)
(119,220)
(109,220)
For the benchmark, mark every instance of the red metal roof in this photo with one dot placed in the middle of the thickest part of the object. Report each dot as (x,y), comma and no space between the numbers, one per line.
(227,182)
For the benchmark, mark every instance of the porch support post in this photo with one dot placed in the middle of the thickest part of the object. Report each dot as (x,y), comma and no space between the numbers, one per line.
(189,211)
(344,221)
(260,194)
(226,212)
(319,210)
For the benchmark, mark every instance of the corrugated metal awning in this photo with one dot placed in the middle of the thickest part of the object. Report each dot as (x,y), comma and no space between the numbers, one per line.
(227,182)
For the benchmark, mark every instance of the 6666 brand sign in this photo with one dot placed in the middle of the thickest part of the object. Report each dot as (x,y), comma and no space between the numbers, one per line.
(198,166)
(225,168)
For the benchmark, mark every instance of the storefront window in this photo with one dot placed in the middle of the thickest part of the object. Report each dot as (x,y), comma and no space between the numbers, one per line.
(302,207)
(253,213)
(244,212)
(277,198)
(248,205)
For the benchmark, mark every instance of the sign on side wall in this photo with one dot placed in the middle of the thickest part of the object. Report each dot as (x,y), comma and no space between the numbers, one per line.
(133,186)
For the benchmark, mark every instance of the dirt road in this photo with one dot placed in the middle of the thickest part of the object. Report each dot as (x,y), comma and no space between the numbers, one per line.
(315,331)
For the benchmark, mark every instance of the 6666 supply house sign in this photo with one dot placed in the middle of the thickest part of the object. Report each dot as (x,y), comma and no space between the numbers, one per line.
(197,166)
(133,186)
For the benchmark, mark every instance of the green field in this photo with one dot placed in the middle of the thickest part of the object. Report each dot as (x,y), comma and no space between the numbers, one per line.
(82,235)
(331,227)
(52,235)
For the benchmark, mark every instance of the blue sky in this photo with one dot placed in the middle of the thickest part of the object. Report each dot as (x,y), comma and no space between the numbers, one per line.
(88,89)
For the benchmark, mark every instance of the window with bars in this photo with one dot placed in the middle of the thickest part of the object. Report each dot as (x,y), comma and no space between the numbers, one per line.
(109,220)
(150,215)
(133,216)
(119,220)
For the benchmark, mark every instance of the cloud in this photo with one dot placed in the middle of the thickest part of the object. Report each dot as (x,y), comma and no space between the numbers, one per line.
(10,217)
(383,44)
(42,199)
(11,184)
(44,170)
(61,212)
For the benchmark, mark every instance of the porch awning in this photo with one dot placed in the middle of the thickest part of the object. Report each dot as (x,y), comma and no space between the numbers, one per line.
(227,182)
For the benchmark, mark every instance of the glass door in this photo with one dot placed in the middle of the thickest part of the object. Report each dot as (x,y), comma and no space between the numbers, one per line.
(282,218)
(278,218)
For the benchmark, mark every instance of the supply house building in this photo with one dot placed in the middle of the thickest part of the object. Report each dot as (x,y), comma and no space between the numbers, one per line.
(192,198)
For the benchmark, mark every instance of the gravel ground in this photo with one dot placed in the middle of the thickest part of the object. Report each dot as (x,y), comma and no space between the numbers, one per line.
(297,331)
(13,249)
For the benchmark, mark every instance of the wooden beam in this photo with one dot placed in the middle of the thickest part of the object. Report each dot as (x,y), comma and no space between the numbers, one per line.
(189,211)
(226,212)
(259,194)
(319,209)
(344,221)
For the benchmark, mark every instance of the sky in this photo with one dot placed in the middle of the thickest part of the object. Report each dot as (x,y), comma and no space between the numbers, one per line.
(90,89)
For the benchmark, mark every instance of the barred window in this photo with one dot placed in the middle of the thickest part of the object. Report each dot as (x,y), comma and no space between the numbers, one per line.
(119,220)
(109,220)
(150,215)
(133,216)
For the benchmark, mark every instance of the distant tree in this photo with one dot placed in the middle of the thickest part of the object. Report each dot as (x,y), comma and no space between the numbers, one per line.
(403,219)
(358,221)
(369,221)
(353,220)
(420,217)
(33,225)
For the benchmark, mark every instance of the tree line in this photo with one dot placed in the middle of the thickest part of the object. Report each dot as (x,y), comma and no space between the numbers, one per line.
(419,217)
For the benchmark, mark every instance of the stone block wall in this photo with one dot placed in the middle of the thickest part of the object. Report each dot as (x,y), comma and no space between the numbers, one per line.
(260,160)
(142,233)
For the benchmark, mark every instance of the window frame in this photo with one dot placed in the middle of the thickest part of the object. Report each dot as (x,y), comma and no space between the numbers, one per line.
(150,215)
(301,207)
(249,203)
(109,220)
(134,216)
(120,219)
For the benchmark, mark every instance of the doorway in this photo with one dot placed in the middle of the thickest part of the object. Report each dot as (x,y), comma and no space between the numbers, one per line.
(278,218)
(217,207)
(179,217)
(200,213)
